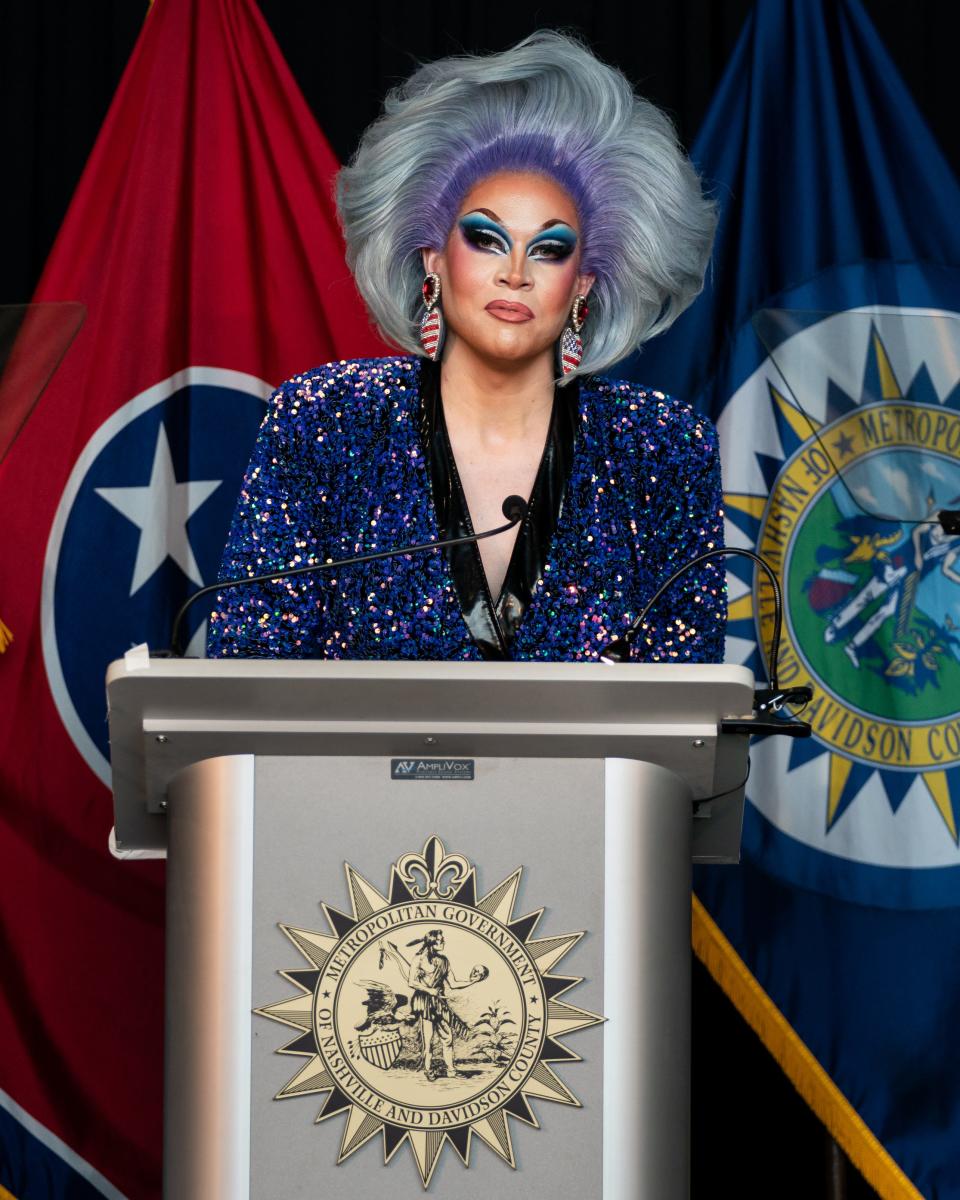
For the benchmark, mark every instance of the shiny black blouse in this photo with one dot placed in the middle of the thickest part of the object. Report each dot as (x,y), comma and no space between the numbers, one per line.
(492,624)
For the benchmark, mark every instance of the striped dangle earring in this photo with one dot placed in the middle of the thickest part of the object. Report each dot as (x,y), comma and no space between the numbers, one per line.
(431,324)
(571,344)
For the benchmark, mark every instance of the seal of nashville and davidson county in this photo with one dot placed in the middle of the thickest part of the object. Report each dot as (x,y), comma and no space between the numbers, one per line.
(427,1014)
(854,450)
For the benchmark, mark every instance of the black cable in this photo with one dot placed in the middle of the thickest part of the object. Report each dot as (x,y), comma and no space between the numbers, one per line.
(728,792)
(614,651)
(514,507)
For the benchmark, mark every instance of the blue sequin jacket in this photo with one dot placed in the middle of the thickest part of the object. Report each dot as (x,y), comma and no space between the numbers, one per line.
(340,469)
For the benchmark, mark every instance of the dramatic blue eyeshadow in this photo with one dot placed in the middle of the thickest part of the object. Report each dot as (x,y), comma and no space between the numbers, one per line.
(556,233)
(478,223)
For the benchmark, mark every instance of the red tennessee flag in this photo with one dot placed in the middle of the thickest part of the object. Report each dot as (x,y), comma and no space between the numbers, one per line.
(203,242)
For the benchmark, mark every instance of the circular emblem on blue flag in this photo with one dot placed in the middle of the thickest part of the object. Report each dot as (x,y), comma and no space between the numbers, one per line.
(141,524)
(874,603)
(854,449)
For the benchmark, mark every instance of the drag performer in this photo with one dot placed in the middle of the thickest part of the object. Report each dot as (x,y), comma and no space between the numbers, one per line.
(516,223)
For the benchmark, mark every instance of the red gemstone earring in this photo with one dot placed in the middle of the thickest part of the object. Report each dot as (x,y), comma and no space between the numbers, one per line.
(431,324)
(571,344)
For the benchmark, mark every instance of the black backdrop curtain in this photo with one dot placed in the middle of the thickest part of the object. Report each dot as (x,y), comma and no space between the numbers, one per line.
(59,65)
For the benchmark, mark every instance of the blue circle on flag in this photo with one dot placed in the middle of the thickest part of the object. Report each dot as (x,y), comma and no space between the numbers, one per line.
(856,408)
(144,522)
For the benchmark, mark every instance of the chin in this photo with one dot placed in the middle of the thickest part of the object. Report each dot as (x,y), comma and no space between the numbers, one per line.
(513,347)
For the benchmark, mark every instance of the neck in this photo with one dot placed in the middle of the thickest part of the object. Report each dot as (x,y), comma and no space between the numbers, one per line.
(486,392)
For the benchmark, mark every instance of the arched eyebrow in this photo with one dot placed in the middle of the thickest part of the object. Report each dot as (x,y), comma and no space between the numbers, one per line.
(488,212)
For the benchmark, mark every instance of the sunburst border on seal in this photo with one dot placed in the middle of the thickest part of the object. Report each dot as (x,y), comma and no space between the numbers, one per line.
(432,874)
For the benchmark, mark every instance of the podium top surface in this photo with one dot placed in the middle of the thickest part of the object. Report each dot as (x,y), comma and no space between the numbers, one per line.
(168,713)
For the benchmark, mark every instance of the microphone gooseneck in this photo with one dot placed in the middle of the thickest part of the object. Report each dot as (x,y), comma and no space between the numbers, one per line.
(514,508)
(619,649)
(767,701)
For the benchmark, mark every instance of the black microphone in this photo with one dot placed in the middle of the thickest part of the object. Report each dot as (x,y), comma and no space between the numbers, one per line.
(514,508)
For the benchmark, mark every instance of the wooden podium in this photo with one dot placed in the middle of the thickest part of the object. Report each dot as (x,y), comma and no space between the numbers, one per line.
(439,904)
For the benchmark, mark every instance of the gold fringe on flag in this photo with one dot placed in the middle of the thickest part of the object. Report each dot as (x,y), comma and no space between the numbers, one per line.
(803,1070)
(6,637)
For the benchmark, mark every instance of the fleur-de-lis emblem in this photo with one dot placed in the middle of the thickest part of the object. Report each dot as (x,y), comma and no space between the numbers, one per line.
(424,873)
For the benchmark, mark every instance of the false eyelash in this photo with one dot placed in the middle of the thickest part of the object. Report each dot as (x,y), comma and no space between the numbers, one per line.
(484,238)
(559,249)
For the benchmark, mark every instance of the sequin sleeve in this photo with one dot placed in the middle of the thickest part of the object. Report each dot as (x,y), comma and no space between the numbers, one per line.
(687,624)
(281,520)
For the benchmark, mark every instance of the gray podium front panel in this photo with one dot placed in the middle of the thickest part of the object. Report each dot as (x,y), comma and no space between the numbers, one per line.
(543,815)
(604,848)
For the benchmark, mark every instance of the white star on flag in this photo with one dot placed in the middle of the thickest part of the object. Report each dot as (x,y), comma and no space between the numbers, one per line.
(161,509)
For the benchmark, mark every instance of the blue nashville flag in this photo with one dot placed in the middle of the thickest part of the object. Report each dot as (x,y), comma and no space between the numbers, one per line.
(837,936)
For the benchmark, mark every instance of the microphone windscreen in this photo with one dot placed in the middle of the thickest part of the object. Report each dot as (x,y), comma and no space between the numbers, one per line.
(514,508)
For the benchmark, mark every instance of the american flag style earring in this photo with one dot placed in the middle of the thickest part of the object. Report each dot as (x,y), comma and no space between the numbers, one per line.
(571,344)
(431,324)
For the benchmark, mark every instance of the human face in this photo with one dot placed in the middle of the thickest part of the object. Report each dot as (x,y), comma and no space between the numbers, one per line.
(511,268)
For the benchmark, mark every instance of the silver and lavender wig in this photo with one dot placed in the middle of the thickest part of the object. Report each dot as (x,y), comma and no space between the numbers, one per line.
(549,106)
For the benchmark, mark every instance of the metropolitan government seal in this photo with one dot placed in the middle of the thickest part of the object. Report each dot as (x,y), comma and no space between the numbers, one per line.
(429,1015)
(857,457)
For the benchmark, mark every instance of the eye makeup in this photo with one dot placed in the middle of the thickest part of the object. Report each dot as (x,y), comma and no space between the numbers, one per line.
(485,234)
(553,244)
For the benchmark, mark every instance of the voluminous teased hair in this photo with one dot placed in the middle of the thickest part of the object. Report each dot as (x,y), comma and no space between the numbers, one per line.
(549,106)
